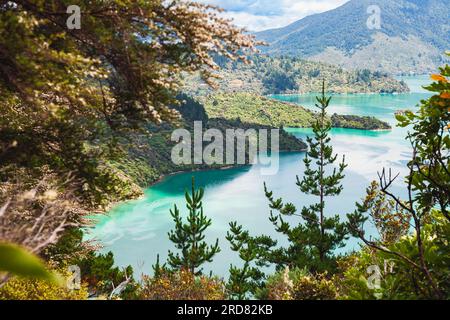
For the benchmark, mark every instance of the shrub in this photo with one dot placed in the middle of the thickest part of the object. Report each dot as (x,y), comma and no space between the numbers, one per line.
(181,285)
(33,289)
(279,286)
(397,279)
(298,284)
(317,287)
(102,276)
(98,270)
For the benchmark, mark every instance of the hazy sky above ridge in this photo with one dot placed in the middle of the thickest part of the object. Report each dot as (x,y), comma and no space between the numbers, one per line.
(257,15)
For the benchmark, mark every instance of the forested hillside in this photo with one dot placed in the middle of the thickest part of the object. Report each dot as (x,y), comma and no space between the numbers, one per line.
(147,154)
(269,75)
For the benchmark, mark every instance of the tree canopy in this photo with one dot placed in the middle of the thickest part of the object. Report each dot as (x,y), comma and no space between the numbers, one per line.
(65,93)
(125,60)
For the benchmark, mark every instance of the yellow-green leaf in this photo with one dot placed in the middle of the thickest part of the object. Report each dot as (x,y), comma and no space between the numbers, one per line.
(18,261)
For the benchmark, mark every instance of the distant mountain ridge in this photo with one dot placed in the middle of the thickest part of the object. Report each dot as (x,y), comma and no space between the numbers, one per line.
(413,36)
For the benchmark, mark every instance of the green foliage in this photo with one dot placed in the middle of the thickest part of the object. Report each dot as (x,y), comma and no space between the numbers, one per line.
(422,256)
(392,222)
(69,247)
(250,108)
(243,281)
(316,287)
(34,289)
(398,280)
(363,75)
(98,271)
(191,109)
(398,248)
(430,138)
(298,284)
(276,82)
(249,278)
(358,122)
(354,279)
(313,242)
(189,237)
(279,286)
(102,277)
(19,262)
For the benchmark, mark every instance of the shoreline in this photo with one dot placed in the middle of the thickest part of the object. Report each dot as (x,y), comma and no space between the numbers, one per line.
(163,176)
(370,130)
(174,173)
(335,93)
(225,167)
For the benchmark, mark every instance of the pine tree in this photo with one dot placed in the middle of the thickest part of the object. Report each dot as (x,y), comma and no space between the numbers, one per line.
(248,278)
(313,240)
(189,237)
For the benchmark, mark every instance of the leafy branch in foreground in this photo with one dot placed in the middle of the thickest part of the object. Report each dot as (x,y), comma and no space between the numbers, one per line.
(427,190)
(30,221)
(17,261)
(98,70)
(65,95)
(249,278)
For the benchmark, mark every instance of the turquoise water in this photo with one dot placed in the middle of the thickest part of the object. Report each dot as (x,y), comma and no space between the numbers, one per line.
(136,231)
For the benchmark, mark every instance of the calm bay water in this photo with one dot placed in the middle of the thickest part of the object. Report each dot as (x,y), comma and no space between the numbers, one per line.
(136,231)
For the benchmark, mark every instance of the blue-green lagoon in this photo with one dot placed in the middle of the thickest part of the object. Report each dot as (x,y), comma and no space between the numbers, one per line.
(136,231)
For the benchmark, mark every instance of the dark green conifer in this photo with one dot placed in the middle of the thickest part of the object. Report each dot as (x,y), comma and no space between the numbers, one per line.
(248,278)
(313,240)
(189,237)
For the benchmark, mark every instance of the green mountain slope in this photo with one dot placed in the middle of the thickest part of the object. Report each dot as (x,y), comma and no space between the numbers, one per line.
(413,36)
(255,109)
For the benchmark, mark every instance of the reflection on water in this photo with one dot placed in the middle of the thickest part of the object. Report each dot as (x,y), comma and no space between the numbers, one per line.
(136,231)
(175,184)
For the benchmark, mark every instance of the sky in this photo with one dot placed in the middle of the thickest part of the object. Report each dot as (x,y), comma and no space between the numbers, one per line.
(257,15)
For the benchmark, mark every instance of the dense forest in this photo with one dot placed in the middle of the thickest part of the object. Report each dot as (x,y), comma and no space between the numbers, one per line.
(86,118)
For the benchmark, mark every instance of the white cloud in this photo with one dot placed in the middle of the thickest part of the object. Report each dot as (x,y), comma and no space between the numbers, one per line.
(257,15)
